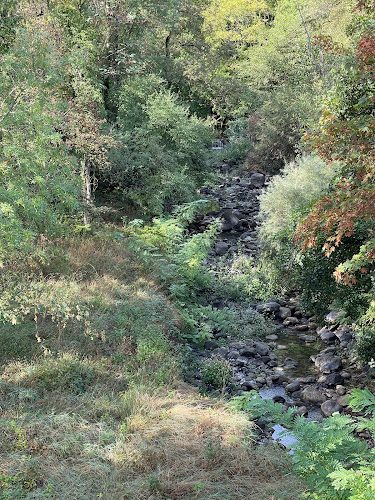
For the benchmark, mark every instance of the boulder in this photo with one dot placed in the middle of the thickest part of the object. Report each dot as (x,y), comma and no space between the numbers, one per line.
(312,395)
(328,363)
(248,352)
(327,336)
(333,316)
(284,312)
(230,220)
(329,407)
(334,379)
(221,248)
(268,307)
(258,180)
(261,348)
(343,336)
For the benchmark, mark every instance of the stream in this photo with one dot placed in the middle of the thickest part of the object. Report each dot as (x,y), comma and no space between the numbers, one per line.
(298,364)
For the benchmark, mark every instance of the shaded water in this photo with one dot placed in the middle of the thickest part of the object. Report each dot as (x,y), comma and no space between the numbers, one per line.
(299,350)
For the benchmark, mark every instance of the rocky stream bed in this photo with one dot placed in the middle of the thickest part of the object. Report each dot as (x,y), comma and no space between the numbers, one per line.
(300,363)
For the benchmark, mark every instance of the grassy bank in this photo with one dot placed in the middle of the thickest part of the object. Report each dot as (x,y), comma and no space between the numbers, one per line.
(93,404)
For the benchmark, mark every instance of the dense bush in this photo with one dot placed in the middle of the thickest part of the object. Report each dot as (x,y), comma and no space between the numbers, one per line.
(288,197)
(163,155)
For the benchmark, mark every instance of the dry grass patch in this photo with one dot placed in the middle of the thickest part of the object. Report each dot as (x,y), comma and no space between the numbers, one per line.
(163,446)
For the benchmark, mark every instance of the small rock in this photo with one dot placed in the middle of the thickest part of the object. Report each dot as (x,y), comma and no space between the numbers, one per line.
(221,248)
(242,361)
(272,337)
(261,348)
(307,338)
(301,328)
(284,312)
(278,399)
(281,347)
(248,352)
(312,395)
(302,410)
(343,401)
(334,379)
(291,320)
(341,390)
(249,385)
(233,354)
(329,407)
(267,307)
(265,359)
(293,387)
(290,363)
(260,380)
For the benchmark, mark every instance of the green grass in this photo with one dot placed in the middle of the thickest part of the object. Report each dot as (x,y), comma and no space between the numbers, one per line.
(99,410)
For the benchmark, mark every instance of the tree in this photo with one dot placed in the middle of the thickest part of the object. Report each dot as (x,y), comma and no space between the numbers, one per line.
(346,134)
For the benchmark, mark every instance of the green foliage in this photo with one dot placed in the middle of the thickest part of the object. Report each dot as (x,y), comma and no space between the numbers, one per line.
(163,158)
(64,373)
(176,256)
(39,187)
(335,464)
(24,483)
(216,373)
(241,280)
(290,193)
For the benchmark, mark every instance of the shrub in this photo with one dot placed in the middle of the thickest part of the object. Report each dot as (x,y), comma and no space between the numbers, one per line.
(163,158)
(289,197)
(216,373)
(298,185)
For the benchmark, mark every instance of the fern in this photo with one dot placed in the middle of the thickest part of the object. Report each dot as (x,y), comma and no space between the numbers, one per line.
(335,465)
(362,399)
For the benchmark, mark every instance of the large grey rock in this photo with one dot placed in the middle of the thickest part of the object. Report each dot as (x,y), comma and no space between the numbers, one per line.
(268,307)
(312,395)
(333,316)
(343,336)
(221,248)
(248,352)
(328,363)
(329,407)
(327,336)
(261,348)
(334,379)
(258,180)
(230,220)
(285,312)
